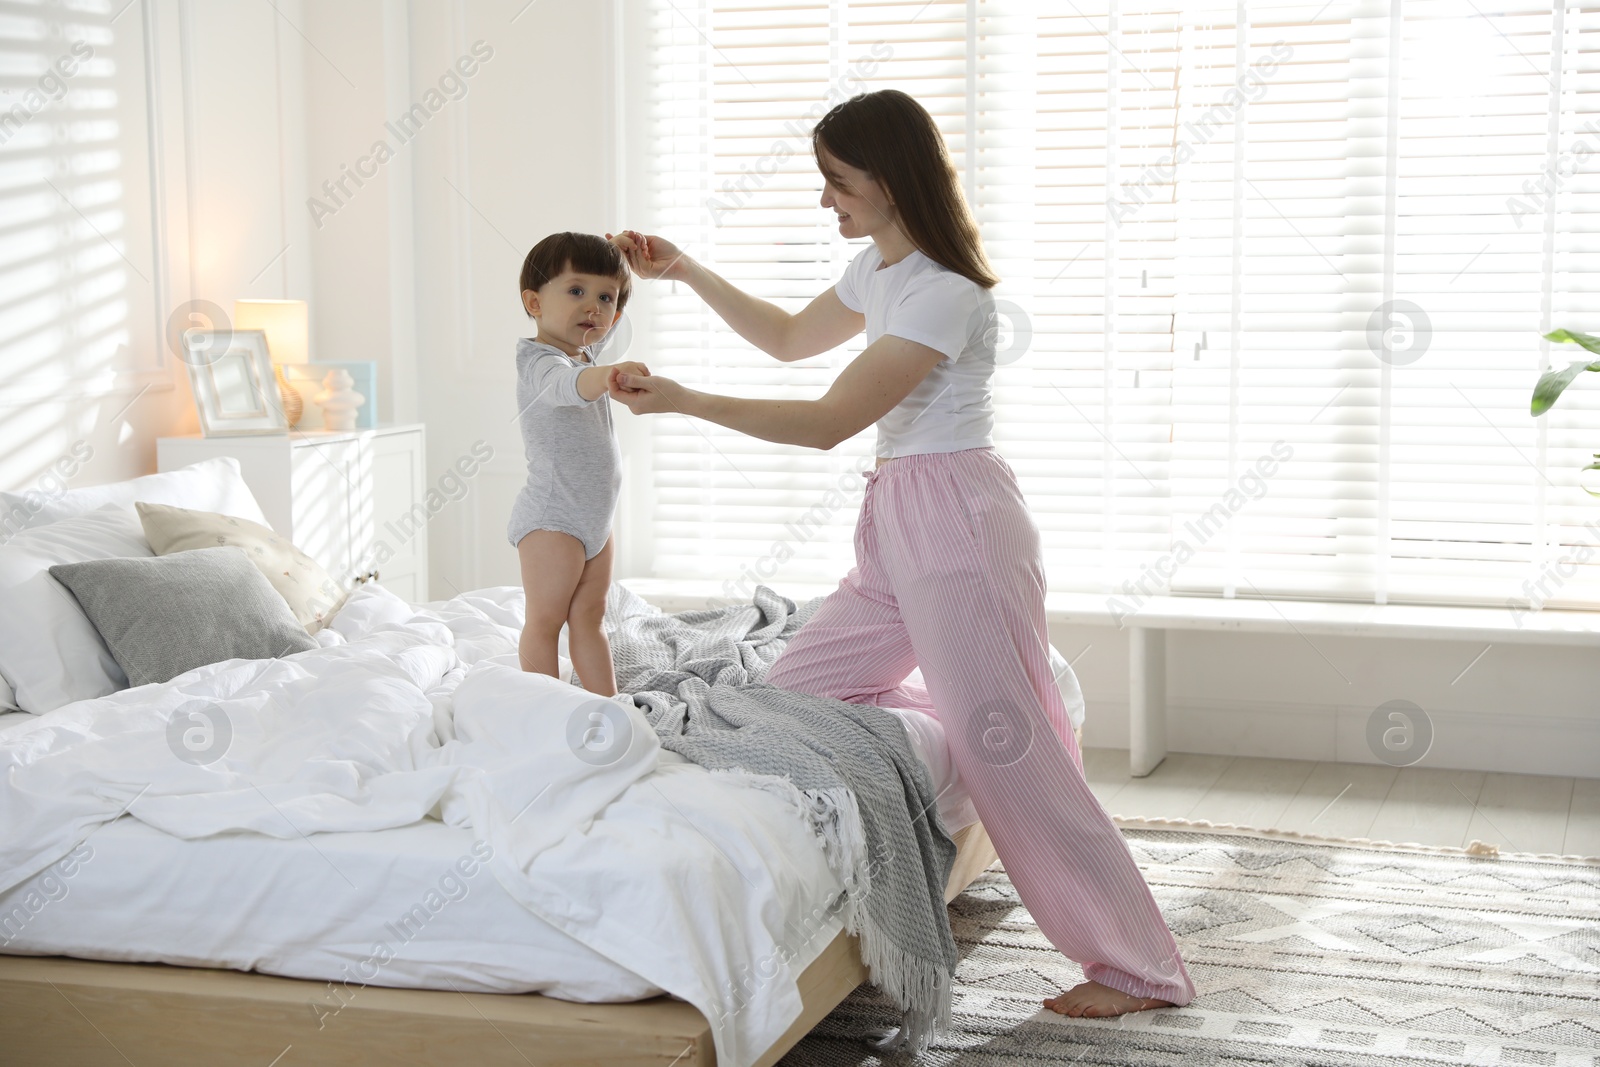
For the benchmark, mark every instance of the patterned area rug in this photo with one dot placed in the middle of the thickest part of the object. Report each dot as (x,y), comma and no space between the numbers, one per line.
(1303,952)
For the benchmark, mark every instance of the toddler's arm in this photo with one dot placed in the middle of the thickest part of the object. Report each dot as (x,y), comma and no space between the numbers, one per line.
(594,383)
(559,384)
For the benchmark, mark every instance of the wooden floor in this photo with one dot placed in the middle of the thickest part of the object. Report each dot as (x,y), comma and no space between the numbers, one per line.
(1517,812)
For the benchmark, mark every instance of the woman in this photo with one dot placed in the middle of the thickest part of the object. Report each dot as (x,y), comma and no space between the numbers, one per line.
(948,573)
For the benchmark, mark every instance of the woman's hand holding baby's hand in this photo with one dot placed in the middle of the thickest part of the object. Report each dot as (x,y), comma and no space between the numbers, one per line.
(616,370)
(645,394)
(650,256)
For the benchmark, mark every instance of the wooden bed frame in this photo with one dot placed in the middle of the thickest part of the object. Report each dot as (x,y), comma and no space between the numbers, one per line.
(57,1012)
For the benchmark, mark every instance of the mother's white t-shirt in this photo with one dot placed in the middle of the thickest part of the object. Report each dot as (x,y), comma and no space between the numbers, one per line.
(951,409)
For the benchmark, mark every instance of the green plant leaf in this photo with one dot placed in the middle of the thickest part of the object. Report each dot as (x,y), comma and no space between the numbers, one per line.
(1591,467)
(1553,383)
(1588,341)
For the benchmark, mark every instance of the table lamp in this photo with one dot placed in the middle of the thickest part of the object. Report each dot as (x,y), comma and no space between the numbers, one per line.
(287,326)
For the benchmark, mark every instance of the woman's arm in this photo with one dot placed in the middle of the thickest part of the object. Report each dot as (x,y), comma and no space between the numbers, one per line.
(866,390)
(823,324)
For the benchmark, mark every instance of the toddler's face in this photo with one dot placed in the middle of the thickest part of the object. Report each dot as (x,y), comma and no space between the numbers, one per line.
(576,308)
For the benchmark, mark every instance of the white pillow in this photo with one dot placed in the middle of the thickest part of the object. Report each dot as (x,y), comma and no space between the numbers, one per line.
(49,650)
(210,485)
(8,699)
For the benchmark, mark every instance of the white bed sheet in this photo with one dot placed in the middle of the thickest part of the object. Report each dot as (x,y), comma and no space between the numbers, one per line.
(333,906)
(329,906)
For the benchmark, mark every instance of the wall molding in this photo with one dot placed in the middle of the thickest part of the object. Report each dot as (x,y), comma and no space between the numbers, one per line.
(403,296)
(460,166)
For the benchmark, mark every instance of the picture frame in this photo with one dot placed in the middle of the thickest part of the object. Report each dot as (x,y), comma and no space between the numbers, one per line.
(235,388)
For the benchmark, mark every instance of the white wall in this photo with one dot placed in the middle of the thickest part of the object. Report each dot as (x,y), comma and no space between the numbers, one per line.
(285,97)
(1524,709)
(359,228)
(243,71)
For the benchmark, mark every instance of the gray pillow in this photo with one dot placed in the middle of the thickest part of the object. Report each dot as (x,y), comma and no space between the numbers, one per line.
(164,615)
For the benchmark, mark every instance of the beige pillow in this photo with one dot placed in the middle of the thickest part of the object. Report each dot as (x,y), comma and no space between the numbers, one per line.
(310,593)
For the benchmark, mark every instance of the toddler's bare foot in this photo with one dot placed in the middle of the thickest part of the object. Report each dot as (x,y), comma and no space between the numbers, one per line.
(1091,1000)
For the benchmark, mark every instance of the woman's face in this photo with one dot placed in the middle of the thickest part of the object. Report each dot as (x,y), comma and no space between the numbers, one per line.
(862,205)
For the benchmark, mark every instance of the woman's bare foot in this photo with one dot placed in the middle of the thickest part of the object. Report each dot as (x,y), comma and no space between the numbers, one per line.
(1091,1000)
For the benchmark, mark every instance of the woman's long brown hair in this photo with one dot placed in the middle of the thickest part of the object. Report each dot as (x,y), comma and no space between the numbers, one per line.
(894,139)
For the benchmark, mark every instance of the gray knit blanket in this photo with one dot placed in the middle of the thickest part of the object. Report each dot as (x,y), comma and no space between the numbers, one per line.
(696,675)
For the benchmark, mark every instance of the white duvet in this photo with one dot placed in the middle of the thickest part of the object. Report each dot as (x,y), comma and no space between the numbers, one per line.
(704,885)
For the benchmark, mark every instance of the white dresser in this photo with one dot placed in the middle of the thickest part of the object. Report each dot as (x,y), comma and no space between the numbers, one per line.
(354,501)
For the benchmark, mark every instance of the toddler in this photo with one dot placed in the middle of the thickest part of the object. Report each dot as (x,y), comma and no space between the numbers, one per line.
(574,285)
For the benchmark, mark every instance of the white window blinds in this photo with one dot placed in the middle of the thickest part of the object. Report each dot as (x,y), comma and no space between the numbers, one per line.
(1274,273)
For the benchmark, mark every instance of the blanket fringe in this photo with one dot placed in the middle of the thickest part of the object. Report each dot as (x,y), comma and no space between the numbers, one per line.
(920,988)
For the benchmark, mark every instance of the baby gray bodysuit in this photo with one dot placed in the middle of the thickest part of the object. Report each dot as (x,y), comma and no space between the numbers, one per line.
(574,466)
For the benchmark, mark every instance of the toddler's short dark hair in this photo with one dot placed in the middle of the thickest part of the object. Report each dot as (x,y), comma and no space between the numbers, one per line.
(581,252)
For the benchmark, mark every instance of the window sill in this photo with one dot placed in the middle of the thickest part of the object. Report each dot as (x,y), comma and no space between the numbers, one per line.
(1241,615)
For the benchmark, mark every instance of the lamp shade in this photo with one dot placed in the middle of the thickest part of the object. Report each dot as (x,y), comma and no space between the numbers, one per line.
(285,323)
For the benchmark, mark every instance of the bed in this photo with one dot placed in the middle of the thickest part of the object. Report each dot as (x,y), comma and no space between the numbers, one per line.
(75,1011)
(69,1012)
(199,933)
(84,1013)
(153,896)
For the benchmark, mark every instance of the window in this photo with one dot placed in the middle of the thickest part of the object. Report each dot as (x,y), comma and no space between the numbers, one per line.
(1275,276)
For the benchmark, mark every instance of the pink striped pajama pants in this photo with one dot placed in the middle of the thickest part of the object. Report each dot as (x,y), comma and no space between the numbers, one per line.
(949,578)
